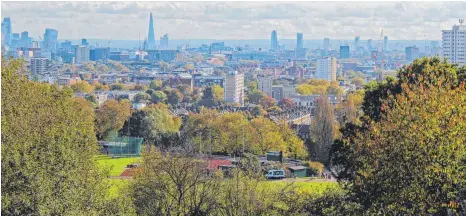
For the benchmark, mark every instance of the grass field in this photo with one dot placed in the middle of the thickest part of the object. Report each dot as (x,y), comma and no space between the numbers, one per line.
(117,165)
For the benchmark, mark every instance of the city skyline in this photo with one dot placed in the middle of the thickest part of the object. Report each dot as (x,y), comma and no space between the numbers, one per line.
(234,21)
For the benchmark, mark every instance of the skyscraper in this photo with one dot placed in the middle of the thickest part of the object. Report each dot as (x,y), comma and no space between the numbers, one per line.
(50,40)
(344,52)
(299,40)
(164,42)
(385,43)
(356,42)
(84,42)
(151,37)
(274,40)
(6,31)
(25,39)
(369,44)
(234,88)
(454,44)
(327,69)
(326,43)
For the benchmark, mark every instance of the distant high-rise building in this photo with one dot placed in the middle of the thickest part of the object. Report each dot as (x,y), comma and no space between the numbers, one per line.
(164,42)
(411,53)
(299,40)
(84,42)
(25,39)
(151,36)
(6,31)
(264,83)
(274,40)
(39,65)
(369,44)
(326,43)
(385,43)
(50,40)
(234,88)
(344,52)
(356,42)
(101,53)
(66,45)
(327,69)
(81,54)
(454,44)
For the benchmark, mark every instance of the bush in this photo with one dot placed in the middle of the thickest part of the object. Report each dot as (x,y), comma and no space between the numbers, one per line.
(314,168)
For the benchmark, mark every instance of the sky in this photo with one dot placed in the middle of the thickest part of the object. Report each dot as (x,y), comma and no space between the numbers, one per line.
(235,20)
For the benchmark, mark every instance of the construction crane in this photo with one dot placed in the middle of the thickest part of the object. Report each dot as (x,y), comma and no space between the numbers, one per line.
(379,55)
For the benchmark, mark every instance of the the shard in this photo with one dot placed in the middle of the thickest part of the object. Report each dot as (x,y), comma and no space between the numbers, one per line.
(151,37)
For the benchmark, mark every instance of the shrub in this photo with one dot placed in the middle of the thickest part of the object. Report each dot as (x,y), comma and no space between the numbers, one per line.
(314,167)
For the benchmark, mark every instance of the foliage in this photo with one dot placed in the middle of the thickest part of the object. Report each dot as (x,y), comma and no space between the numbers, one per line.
(81,87)
(159,97)
(100,87)
(188,66)
(358,81)
(315,168)
(319,87)
(151,123)
(322,130)
(117,87)
(250,165)
(174,96)
(408,155)
(267,101)
(48,144)
(142,97)
(255,96)
(156,84)
(286,103)
(111,116)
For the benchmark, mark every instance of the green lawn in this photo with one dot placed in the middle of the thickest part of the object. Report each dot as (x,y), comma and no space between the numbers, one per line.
(117,165)
(314,188)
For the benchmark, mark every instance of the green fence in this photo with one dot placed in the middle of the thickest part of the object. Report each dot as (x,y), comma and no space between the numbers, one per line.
(121,146)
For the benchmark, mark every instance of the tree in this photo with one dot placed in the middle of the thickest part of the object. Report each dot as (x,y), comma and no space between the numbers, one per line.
(48,149)
(111,116)
(81,87)
(267,136)
(252,86)
(409,133)
(286,103)
(102,68)
(156,84)
(255,96)
(174,96)
(117,87)
(322,130)
(267,101)
(250,165)
(358,81)
(164,66)
(188,66)
(258,111)
(140,87)
(173,185)
(142,97)
(159,97)
(151,123)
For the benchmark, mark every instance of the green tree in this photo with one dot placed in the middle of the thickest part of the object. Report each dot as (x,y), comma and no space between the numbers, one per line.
(142,97)
(164,66)
(48,149)
(82,87)
(117,87)
(159,97)
(111,116)
(174,96)
(322,130)
(409,143)
(156,84)
(255,96)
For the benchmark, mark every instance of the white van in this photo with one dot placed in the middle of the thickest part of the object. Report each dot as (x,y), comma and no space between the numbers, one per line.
(275,174)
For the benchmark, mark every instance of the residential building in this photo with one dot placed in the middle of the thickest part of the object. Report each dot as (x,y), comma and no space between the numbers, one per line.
(274,40)
(327,69)
(204,81)
(411,53)
(234,88)
(344,52)
(81,54)
(299,41)
(50,40)
(264,83)
(454,44)
(151,35)
(39,65)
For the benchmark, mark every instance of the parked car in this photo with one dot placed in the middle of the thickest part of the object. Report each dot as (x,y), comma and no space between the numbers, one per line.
(275,174)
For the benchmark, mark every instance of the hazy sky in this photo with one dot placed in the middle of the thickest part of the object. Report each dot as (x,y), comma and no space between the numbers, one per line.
(235,20)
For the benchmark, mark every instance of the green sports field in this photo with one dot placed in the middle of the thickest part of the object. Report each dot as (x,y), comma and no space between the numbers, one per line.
(116,165)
